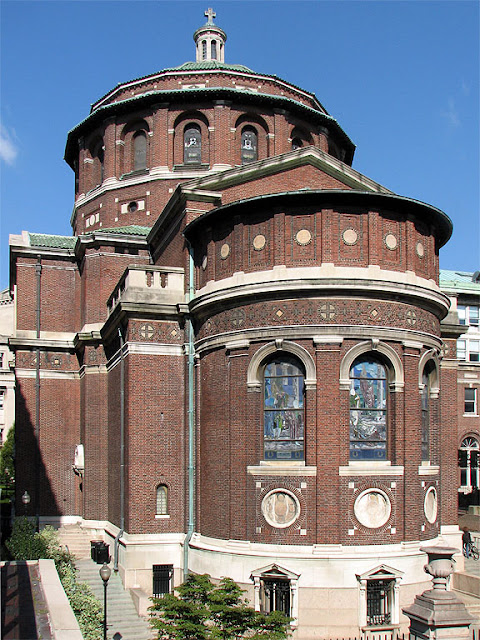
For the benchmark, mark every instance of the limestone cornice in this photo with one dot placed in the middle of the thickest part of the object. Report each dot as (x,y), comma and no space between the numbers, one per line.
(19,343)
(286,161)
(327,280)
(313,333)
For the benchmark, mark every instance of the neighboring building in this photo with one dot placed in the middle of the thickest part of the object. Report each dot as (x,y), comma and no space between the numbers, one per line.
(239,352)
(463,289)
(7,375)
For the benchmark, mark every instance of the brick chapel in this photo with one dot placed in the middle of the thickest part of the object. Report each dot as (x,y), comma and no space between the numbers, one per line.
(235,365)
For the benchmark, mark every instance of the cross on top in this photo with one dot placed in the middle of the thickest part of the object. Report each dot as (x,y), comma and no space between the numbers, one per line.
(210,14)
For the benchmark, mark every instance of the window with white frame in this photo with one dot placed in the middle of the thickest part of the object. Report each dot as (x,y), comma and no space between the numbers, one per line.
(2,359)
(2,399)
(379,605)
(162,500)
(275,589)
(469,314)
(468,350)
(469,463)
(471,401)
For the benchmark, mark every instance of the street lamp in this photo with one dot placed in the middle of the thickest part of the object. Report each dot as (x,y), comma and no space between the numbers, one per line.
(26,501)
(105,573)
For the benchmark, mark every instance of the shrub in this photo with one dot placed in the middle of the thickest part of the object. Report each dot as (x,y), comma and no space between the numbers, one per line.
(205,611)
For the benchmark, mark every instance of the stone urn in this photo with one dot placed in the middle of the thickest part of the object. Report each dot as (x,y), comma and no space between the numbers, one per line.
(440,566)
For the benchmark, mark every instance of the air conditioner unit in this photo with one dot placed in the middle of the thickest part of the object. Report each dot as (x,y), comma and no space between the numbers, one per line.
(79,459)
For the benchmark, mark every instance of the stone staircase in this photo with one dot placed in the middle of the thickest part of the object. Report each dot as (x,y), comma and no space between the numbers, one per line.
(76,539)
(123,622)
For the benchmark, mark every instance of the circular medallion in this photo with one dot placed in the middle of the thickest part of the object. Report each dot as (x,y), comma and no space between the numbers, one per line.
(204,262)
(259,242)
(91,219)
(430,505)
(132,207)
(280,508)
(420,249)
(303,237)
(225,251)
(350,236)
(372,508)
(391,241)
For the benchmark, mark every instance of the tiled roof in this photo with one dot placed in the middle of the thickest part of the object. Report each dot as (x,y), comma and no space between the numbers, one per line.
(54,242)
(130,230)
(458,279)
(210,64)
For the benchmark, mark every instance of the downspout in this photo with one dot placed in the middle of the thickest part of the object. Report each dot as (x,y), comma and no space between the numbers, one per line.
(116,543)
(191,416)
(38,273)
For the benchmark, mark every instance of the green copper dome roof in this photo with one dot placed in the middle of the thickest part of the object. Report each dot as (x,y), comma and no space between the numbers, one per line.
(210,64)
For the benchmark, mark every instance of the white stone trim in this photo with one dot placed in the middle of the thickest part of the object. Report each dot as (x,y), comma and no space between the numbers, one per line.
(396,378)
(255,374)
(428,469)
(47,374)
(283,469)
(375,468)
(149,348)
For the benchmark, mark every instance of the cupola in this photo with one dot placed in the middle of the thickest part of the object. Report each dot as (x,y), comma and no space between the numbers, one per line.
(210,40)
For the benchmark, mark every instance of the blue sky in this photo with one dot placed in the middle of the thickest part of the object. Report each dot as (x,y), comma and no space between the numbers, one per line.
(401,78)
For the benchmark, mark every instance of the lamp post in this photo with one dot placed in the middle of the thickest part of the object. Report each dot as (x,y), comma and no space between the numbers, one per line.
(26,501)
(105,573)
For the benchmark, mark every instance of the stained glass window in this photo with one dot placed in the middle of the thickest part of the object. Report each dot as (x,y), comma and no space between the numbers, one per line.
(368,410)
(140,151)
(425,418)
(249,145)
(192,145)
(284,410)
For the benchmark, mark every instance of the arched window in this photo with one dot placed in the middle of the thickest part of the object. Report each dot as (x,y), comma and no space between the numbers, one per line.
(192,144)
(469,462)
(425,399)
(214,49)
(368,409)
(162,500)
(284,383)
(139,151)
(204,49)
(249,145)
(296,144)
(98,155)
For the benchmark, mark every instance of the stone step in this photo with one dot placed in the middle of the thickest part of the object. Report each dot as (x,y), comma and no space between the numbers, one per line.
(122,618)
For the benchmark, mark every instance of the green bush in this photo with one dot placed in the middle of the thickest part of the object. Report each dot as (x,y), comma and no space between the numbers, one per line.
(26,544)
(207,611)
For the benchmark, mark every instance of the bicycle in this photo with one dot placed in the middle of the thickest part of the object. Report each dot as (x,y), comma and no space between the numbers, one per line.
(472,552)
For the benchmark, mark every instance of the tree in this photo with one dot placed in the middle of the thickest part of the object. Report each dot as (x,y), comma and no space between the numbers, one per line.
(205,611)
(7,465)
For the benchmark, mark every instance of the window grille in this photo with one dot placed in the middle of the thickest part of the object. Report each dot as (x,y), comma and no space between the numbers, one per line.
(379,603)
(162,577)
(276,596)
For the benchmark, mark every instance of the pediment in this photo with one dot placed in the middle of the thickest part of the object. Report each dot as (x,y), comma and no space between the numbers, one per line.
(274,571)
(327,172)
(380,572)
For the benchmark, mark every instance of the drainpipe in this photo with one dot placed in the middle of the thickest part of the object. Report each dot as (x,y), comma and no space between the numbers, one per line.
(116,543)
(38,273)
(191,417)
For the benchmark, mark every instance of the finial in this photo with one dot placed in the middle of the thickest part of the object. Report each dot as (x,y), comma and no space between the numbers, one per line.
(210,15)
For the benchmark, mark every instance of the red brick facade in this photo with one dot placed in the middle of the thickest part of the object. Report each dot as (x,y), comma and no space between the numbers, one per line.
(293,254)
